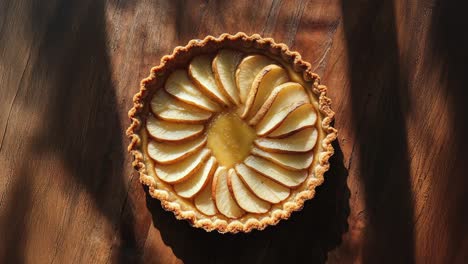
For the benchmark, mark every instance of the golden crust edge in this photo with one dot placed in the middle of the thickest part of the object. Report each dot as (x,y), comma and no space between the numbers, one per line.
(236,226)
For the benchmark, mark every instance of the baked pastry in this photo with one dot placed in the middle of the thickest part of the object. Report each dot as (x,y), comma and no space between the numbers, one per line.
(232,133)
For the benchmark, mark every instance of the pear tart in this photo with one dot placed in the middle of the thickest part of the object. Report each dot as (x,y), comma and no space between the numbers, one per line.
(232,133)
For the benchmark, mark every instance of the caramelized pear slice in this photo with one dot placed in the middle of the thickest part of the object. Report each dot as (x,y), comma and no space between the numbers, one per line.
(302,117)
(225,203)
(198,181)
(168,131)
(284,99)
(179,86)
(224,68)
(265,188)
(275,172)
(244,197)
(302,141)
(201,73)
(246,72)
(181,171)
(266,80)
(171,109)
(204,200)
(169,153)
(290,161)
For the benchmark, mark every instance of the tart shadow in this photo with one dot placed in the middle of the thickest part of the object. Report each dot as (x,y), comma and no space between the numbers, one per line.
(308,234)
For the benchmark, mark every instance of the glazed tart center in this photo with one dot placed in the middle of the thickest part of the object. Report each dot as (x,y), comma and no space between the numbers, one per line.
(230,138)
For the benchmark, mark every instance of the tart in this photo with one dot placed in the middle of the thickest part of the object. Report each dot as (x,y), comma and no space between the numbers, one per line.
(232,133)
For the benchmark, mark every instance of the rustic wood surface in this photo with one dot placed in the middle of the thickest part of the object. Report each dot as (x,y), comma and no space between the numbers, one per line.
(397,75)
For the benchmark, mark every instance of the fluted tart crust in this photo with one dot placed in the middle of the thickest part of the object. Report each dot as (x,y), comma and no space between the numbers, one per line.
(232,133)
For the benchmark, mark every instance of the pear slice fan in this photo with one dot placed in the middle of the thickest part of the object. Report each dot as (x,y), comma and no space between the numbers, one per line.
(233,141)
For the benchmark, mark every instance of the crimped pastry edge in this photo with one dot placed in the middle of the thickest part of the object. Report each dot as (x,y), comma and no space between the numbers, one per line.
(235,226)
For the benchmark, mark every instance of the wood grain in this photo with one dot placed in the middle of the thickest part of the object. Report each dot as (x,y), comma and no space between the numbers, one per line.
(396,72)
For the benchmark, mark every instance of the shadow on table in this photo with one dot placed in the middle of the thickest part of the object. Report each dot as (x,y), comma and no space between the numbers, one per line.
(70,74)
(379,91)
(308,234)
(15,219)
(449,50)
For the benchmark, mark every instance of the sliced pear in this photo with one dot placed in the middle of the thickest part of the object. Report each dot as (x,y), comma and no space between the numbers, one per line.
(201,73)
(168,131)
(246,72)
(170,109)
(181,171)
(244,197)
(224,68)
(169,153)
(195,184)
(266,80)
(302,141)
(284,99)
(290,161)
(302,117)
(263,187)
(223,197)
(204,201)
(179,86)
(277,173)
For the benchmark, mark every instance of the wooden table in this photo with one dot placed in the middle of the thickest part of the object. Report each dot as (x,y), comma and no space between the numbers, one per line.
(397,75)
